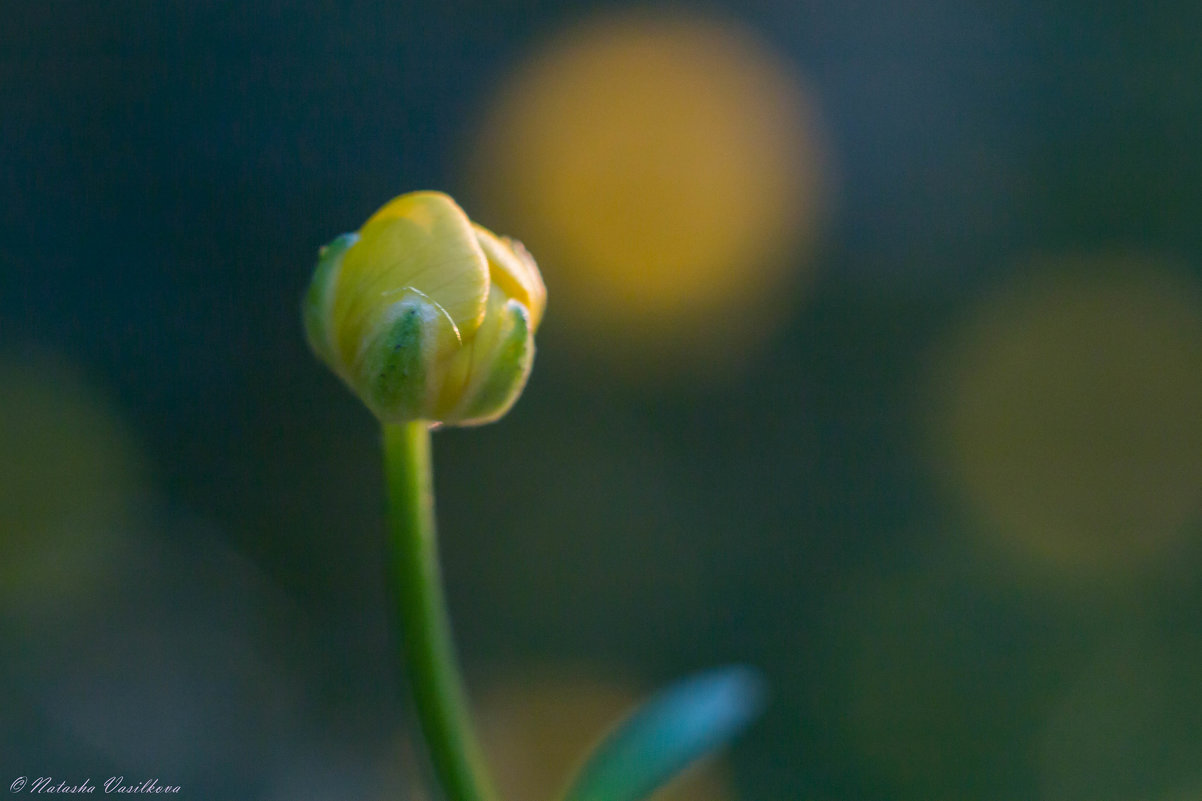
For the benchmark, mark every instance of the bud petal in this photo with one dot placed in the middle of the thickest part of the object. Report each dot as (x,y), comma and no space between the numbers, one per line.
(512,267)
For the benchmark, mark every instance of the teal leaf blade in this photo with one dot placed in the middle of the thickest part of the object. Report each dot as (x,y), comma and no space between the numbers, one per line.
(668,733)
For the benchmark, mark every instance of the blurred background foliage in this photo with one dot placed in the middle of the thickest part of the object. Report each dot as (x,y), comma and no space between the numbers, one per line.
(873,358)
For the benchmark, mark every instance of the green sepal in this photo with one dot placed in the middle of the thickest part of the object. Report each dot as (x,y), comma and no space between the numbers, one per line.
(318,297)
(492,394)
(667,734)
(396,366)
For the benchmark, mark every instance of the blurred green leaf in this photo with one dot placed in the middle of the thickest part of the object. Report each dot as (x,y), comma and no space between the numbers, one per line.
(667,733)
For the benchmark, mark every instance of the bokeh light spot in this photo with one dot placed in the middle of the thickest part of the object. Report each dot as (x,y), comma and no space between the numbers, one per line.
(666,173)
(1068,415)
(1127,725)
(71,474)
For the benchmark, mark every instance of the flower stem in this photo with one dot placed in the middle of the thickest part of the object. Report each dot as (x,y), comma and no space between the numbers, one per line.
(429,651)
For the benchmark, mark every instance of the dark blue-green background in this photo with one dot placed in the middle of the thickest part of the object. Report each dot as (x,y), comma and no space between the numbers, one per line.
(167,171)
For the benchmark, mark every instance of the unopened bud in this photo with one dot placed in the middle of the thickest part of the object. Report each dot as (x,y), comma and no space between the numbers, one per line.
(426,315)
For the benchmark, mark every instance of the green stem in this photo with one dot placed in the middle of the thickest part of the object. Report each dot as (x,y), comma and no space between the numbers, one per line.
(437,687)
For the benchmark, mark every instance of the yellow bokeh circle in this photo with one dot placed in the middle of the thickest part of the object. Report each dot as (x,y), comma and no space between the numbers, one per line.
(667,174)
(1069,414)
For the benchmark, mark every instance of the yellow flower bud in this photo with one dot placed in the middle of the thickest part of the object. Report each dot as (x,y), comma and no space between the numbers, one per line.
(426,315)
